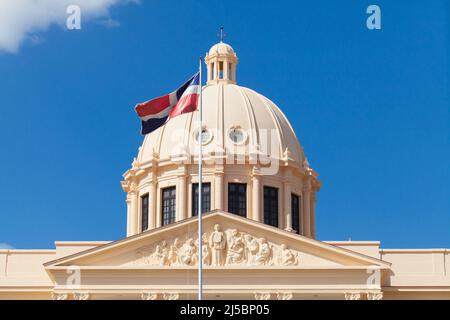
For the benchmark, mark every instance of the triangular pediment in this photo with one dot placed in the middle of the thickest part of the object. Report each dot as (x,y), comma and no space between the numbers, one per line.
(229,241)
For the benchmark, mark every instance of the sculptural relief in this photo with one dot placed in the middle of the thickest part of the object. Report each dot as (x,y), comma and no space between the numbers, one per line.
(206,253)
(217,243)
(188,254)
(236,248)
(288,258)
(219,248)
(263,257)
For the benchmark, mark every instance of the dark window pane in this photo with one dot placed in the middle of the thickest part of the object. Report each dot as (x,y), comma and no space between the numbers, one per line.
(206,198)
(295,207)
(271,206)
(168,205)
(237,198)
(144,212)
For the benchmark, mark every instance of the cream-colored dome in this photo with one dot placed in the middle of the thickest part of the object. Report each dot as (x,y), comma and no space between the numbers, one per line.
(227,107)
(221,48)
(246,140)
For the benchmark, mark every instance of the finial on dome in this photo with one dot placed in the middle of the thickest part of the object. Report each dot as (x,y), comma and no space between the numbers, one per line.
(221,34)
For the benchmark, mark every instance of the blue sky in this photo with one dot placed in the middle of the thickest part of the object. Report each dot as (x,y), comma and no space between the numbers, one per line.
(371,109)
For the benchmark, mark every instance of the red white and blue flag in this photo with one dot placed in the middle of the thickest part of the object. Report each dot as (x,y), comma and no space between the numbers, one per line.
(156,112)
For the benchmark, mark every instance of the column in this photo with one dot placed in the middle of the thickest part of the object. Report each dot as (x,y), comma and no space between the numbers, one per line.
(216,68)
(313,214)
(287,205)
(152,205)
(225,70)
(256,195)
(158,208)
(134,209)
(129,216)
(306,209)
(218,190)
(181,195)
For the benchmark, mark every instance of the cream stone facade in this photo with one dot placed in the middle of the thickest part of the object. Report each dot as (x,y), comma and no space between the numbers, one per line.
(255,167)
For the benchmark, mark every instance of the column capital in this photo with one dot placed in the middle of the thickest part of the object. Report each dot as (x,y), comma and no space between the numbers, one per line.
(374,295)
(352,296)
(262,295)
(80,296)
(59,296)
(256,172)
(170,296)
(149,295)
(285,296)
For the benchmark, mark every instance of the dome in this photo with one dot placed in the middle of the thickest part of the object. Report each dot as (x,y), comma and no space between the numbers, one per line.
(253,163)
(221,48)
(226,108)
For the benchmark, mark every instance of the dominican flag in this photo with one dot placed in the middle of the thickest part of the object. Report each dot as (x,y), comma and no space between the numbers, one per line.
(154,113)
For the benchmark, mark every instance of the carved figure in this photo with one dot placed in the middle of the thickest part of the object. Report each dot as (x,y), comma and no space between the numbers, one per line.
(288,258)
(265,252)
(252,248)
(189,253)
(206,253)
(236,248)
(173,252)
(217,243)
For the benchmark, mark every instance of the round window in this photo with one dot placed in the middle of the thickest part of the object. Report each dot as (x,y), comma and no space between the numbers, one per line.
(205,136)
(237,135)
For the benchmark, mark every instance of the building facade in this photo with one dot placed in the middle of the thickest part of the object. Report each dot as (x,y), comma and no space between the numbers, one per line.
(259,202)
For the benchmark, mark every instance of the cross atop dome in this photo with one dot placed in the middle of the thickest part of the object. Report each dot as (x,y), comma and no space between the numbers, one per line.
(222,34)
(221,61)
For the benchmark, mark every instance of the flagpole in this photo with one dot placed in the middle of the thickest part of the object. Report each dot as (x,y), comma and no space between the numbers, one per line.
(200,244)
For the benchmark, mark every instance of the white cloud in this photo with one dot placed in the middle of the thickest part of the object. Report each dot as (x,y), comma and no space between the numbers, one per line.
(6,246)
(26,20)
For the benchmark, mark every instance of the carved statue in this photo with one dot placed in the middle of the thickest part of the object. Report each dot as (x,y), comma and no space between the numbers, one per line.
(189,253)
(236,248)
(173,252)
(288,258)
(217,243)
(265,252)
(252,248)
(159,256)
(206,253)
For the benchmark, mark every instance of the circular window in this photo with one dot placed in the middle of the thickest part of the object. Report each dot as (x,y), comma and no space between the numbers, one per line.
(204,137)
(237,135)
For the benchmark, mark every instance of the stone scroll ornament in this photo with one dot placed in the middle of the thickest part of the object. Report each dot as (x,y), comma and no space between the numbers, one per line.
(219,248)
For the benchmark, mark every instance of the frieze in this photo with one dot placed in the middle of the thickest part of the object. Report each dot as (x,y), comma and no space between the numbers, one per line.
(229,247)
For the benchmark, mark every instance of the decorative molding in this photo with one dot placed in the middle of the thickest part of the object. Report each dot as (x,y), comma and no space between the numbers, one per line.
(80,296)
(170,296)
(262,295)
(374,295)
(352,296)
(59,296)
(149,295)
(285,296)
(230,247)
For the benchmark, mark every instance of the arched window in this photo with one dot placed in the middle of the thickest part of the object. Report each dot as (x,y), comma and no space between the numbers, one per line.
(206,198)
(221,71)
(144,212)
(271,206)
(168,205)
(237,199)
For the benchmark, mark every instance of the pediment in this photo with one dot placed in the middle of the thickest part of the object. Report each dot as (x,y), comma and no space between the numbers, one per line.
(228,241)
